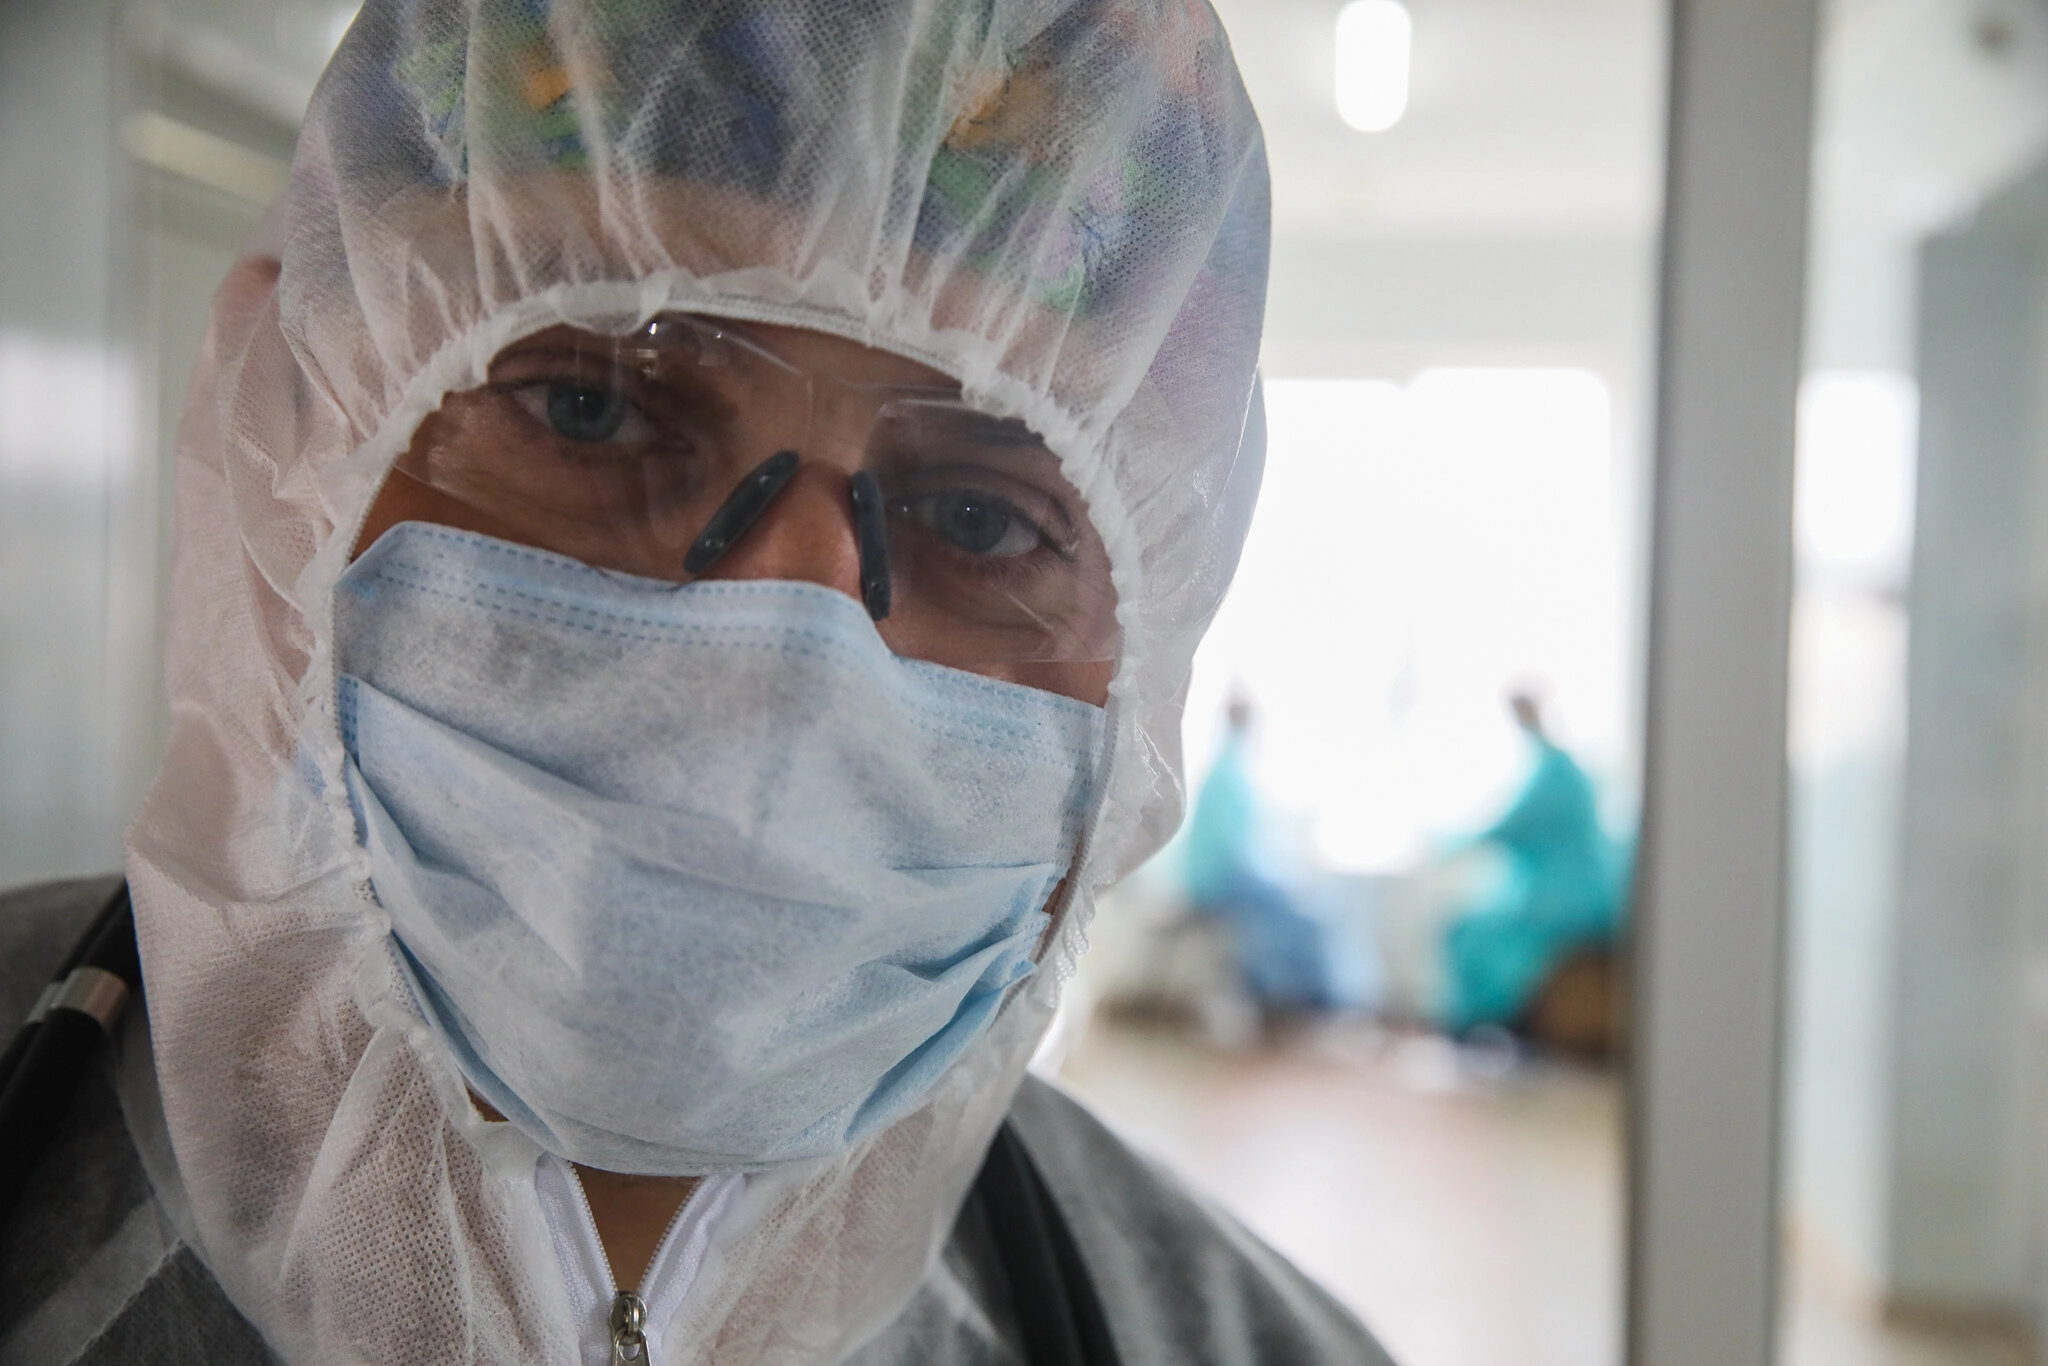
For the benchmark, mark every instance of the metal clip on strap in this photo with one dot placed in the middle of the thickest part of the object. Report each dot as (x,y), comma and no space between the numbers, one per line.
(94,992)
(41,1070)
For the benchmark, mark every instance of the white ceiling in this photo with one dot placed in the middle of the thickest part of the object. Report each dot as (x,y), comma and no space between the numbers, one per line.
(1526,116)
(1926,107)
(1517,200)
(265,54)
(1511,208)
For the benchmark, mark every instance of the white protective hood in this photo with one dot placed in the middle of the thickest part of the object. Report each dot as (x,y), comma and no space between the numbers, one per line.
(1062,203)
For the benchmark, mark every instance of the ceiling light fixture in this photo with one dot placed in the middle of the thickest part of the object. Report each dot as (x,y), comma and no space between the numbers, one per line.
(1373,42)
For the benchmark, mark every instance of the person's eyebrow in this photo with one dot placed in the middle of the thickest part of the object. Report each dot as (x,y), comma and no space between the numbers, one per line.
(652,372)
(994,431)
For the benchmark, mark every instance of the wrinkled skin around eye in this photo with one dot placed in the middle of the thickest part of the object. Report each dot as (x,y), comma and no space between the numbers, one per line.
(976,522)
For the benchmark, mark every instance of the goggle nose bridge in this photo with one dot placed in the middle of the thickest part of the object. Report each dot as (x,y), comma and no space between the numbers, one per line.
(717,346)
(757,492)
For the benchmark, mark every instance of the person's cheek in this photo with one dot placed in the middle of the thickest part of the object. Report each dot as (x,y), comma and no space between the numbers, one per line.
(405,499)
(1084,680)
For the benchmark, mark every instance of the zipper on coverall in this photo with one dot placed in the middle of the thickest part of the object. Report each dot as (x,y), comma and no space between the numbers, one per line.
(629,1311)
(629,1330)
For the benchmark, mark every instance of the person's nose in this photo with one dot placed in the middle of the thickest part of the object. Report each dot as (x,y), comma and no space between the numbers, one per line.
(806,534)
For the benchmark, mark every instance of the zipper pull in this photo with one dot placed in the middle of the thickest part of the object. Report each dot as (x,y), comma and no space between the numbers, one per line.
(629,1329)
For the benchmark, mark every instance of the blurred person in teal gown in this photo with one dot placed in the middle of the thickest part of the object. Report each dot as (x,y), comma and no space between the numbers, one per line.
(1286,948)
(1562,892)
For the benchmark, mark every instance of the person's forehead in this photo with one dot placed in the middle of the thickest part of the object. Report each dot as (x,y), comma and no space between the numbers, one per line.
(814,352)
(823,353)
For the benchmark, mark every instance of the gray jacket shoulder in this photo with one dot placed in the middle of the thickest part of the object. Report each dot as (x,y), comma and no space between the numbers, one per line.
(90,1271)
(90,1259)
(1181,1281)
(89,1182)
(38,925)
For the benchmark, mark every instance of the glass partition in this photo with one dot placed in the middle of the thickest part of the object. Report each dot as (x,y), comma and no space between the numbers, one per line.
(1916,1120)
(1368,1000)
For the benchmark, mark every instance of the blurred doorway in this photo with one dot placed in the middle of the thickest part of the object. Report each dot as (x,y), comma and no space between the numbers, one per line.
(1917,1122)
(1458,361)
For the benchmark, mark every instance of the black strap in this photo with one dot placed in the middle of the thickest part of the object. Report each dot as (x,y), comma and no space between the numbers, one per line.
(48,1059)
(11,1059)
(1058,1312)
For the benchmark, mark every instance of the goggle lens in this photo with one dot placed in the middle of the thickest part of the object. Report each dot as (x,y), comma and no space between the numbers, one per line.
(655,453)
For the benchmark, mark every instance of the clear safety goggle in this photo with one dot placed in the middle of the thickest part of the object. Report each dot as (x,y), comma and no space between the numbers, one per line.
(658,452)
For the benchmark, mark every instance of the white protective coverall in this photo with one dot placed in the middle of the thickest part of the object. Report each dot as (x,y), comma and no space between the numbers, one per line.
(1062,204)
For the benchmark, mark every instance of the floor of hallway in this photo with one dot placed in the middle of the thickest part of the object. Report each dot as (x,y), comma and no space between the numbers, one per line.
(1469,1211)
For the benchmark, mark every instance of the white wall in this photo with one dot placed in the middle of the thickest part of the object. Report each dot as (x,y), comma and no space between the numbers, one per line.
(66,437)
(113,248)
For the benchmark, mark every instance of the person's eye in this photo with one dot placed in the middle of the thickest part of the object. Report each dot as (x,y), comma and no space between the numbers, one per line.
(583,411)
(976,521)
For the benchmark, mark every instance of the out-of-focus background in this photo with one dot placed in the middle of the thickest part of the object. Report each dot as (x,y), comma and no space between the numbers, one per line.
(1372,1000)
(1458,364)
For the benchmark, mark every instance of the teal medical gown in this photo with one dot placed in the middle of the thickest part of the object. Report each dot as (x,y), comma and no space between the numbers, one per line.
(1562,892)
(1223,828)
(1289,951)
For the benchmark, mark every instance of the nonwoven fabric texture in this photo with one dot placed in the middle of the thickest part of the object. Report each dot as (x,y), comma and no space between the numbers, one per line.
(717,828)
(1062,204)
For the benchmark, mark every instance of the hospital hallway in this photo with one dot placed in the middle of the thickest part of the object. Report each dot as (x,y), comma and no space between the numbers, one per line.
(1472,1220)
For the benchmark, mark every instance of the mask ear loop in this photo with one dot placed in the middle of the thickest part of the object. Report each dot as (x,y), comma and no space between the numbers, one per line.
(740,510)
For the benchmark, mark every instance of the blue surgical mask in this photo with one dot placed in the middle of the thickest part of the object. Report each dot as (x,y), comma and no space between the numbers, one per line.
(695,878)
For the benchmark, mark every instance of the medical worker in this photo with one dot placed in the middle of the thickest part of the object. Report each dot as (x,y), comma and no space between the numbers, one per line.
(1562,892)
(1280,948)
(692,530)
